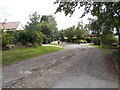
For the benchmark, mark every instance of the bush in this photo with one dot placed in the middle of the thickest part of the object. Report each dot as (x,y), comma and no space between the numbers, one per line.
(45,39)
(15,36)
(28,44)
(95,41)
(81,41)
(6,39)
(109,39)
(23,37)
(26,37)
(88,40)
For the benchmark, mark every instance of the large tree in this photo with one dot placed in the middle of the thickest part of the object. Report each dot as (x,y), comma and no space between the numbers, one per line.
(70,32)
(34,20)
(107,12)
(48,26)
(80,31)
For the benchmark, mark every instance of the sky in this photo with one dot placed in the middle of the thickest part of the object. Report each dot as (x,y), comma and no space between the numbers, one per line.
(19,10)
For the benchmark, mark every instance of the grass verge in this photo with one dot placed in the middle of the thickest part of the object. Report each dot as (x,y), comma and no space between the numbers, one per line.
(56,44)
(16,55)
(104,49)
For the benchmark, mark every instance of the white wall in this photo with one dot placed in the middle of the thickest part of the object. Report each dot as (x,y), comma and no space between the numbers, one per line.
(20,27)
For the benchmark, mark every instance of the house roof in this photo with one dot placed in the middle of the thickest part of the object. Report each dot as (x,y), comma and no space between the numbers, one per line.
(9,25)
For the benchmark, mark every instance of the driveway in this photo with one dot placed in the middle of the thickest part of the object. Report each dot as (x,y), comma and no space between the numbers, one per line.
(77,66)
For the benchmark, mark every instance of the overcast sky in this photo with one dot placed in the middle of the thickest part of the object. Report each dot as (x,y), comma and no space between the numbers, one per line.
(19,10)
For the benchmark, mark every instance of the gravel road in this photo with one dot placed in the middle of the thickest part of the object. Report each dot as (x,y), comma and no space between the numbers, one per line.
(76,66)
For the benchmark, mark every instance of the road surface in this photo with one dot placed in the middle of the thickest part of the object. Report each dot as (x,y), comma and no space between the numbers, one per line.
(77,66)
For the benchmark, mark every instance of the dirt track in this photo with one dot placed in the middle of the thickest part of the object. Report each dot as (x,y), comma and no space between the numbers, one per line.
(77,66)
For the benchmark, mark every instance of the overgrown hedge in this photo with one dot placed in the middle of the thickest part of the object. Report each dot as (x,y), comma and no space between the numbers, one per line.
(24,37)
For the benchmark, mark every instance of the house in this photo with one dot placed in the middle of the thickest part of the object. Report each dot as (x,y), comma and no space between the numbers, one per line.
(10,26)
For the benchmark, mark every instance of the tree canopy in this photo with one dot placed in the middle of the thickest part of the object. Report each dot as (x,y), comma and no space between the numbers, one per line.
(107,13)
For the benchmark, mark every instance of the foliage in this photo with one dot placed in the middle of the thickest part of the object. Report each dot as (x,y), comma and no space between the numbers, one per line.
(70,32)
(24,37)
(81,32)
(37,31)
(16,37)
(69,7)
(61,35)
(44,18)
(45,28)
(45,39)
(6,39)
(48,27)
(45,25)
(0,38)
(108,39)
(34,20)
(34,37)
(107,14)
(95,41)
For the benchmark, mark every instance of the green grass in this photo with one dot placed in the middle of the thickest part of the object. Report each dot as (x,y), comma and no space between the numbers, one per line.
(104,49)
(56,44)
(15,55)
(116,55)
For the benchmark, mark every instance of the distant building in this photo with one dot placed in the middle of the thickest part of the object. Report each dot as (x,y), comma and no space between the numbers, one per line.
(10,26)
(93,35)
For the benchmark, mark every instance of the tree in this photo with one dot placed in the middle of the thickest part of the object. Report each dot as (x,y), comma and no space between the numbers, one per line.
(108,38)
(6,39)
(34,20)
(70,32)
(109,12)
(48,26)
(44,18)
(45,28)
(53,24)
(61,35)
(81,32)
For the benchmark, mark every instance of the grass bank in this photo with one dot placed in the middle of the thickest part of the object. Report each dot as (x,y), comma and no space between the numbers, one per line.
(16,55)
(56,44)
(105,49)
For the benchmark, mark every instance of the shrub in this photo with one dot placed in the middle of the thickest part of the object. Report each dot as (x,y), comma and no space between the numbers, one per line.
(95,41)
(6,39)
(15,37)
(26,37)
(45,39)
(23,37)
(108,39)
(28,44)
(88,40)
(34,37)
(81,41)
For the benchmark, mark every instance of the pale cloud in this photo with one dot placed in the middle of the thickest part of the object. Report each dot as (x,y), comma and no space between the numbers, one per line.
(19,10)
